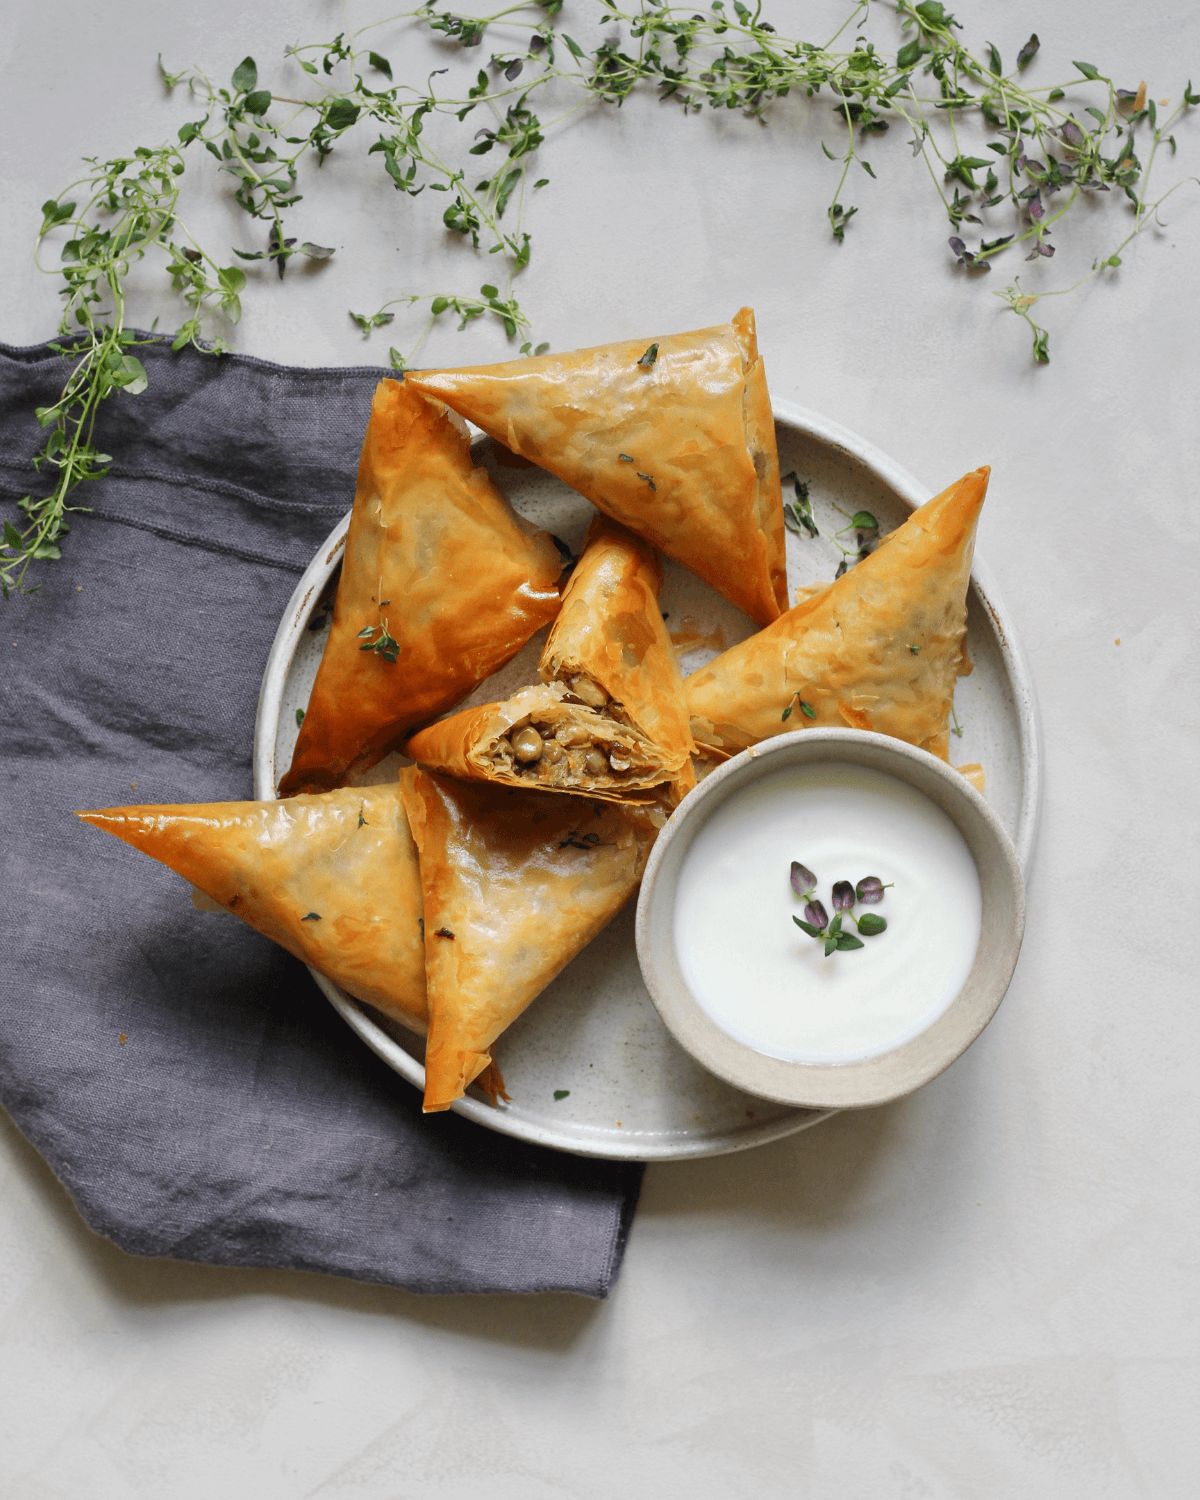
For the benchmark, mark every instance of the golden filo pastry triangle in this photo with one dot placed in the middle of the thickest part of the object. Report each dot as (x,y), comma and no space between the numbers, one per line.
(610,645)
(441,584)
(877,649)
(609,720)
(332,878)
(514,884)
(672,437)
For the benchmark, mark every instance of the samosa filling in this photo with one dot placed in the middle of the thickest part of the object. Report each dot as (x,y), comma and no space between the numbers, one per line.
(577,752)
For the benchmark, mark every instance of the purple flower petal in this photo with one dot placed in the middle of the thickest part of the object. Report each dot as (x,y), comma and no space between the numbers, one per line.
(843,896)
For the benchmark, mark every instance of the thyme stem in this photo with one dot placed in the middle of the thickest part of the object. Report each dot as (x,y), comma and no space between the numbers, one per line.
(727,58)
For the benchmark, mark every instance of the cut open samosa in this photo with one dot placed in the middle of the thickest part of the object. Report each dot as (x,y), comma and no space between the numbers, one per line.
(674,439)
(332,878)
(543,737)
(878,649)
(610,645)
(610,720)
(441,584)
(514,885)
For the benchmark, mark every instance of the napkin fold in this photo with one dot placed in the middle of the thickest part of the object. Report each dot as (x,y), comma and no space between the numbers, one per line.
(183,1076)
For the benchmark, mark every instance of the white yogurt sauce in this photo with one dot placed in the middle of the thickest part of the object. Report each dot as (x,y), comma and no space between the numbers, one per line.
(767,983)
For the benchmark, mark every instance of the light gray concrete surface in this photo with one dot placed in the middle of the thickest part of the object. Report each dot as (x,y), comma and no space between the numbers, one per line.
(986,1290)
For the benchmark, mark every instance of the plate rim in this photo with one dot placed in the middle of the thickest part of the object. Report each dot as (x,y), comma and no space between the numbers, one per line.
(293,621)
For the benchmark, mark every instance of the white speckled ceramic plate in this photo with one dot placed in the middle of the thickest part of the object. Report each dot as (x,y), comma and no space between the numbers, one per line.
(632,1092)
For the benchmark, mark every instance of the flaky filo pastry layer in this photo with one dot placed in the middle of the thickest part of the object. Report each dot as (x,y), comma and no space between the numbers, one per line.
(332,878)
(610,647)
(514,884)
(877,649)
(436,559)
(574,748)
(680,448)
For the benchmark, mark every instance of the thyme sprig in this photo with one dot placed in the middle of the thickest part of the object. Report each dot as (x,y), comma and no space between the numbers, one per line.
(868,892)
(116,213)
(796,701)
(798,518)
(1049,150)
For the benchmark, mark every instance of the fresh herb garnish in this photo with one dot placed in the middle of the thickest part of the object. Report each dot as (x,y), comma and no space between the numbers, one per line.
(804,882)
(443,932)
(362,822)
(649,481)
(625,458)
(386,646)
(299,717)
(815,921)
(843,895)
(313,916)
(797,513)
(1048,160)
(798,518)
(806,709)
(870,889)
(562,1093)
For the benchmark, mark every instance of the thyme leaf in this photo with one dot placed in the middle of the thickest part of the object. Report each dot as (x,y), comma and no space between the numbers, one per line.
(804,882)
(806,709)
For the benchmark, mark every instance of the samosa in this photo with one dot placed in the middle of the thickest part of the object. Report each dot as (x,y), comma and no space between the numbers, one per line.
(610,720)
(610,645)
(673,438)
(332,878)
(514,885)
(441,584)
(879,648)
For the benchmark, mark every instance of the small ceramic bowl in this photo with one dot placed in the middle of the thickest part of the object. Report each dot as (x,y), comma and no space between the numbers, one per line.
(870,1080)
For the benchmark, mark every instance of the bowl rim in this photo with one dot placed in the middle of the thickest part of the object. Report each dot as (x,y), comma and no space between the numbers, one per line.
(863,1082)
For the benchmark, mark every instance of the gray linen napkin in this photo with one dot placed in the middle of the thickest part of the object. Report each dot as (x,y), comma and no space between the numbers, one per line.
(182,1075)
